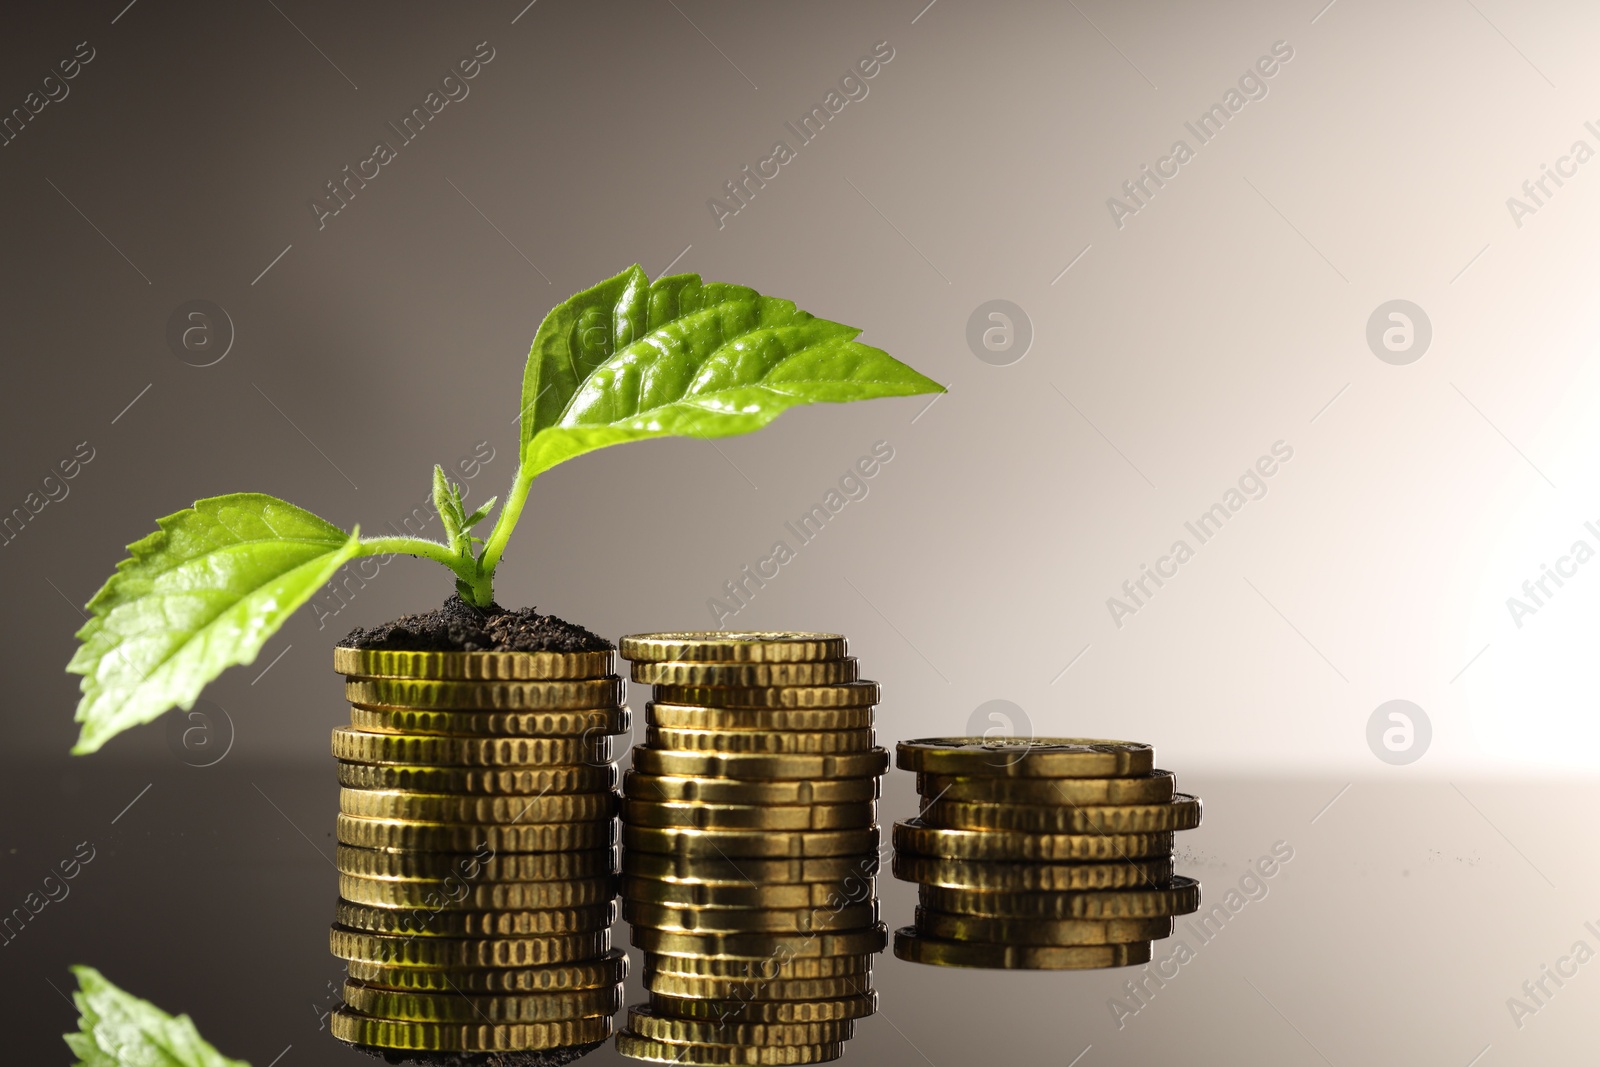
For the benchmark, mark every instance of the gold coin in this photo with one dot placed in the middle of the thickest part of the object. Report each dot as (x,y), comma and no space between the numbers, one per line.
(358,747)
(910,944)
(485,696)
(722,870)
(392,835)
(786,1010)
(421,922)
(416,1036)
(691,1055)
(843,695)
(448,807)
(1025,757)
(732,791)
(684,987)
(846,916)
(1153,788)
(1180,897)
(760,767)
(781,966)
(455,893)
(467,1008)
(1040,931)
(761,946)
(820,742)
(575,723)
(1180,813)
(472,666)
(603,972)
(483,865)
(747,895)
(693,717)
(749,816)
(721,646)
(734,844)
(817,672)
(510,781)
(924,840)
(647,1023)
(399,950)
(1032,877)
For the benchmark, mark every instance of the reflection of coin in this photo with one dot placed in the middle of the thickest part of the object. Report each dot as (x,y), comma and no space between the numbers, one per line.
(1040,877)
(456,1007)
(360,747)
(445,807)
(750,920)
(1152,788)
(485,696)
(603,971)
(692,717)
(760,766)
(997,931)
(472,666)
(695,1055)
(649,1024)
(716,646)
(1180,898)
(1025,757)
(682,841)
(749,816)
(843,695)
(923,840)
(477,894)
(466,1037)
(1181,813)
(821,672)
(492,723)
(913,946)
(721,870)
(761,946)
(652,787)
(396,836)
(819,742)
(405,951)
(520,781)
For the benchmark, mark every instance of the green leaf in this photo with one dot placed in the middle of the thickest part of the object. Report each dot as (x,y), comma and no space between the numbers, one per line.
(201,594)
(628,360)
(117,1029)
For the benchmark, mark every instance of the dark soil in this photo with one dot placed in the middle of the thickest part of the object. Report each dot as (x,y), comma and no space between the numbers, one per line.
(555,1057)
(459,627)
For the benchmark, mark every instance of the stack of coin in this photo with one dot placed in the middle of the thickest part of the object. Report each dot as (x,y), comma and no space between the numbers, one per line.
(750,848)
(477,852)
(1040,853)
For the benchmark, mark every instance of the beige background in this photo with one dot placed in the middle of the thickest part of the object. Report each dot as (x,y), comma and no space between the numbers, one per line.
(1228,314)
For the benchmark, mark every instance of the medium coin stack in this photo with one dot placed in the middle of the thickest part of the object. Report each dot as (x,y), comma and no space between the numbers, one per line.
(477,853)
(1040,853)
(750,848)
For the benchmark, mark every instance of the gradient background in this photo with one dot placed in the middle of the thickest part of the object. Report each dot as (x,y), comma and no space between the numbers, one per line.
(1167,355)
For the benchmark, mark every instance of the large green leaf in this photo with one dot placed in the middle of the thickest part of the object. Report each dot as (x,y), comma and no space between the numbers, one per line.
(201,594)
(628,360)
(117,1029)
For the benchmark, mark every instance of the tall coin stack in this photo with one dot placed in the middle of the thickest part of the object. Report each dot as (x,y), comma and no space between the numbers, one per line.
(1040,853)
(750,847)
(477,853)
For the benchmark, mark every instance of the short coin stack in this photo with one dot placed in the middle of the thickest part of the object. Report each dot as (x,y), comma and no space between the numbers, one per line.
(1040,853)
(750,845)
(477,850)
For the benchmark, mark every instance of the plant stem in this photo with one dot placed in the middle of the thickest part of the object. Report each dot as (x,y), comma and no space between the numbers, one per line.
(504,523)
(479,585)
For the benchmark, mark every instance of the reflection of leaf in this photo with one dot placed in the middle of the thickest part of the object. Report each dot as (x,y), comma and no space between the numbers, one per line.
(117,1029)
(628,360)
(202,593)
